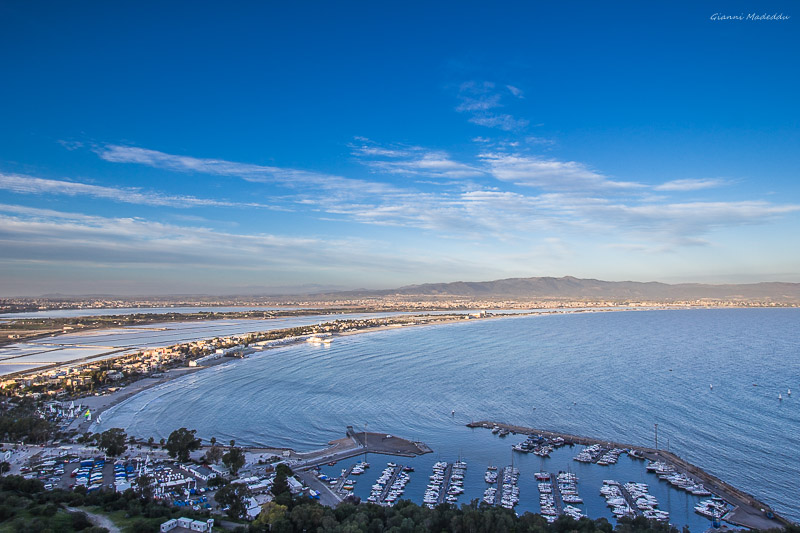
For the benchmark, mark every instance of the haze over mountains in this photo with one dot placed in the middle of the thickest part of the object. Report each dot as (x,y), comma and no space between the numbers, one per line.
(571,288)
(565,288)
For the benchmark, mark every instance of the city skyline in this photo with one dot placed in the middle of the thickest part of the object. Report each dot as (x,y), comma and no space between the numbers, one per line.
(189,149)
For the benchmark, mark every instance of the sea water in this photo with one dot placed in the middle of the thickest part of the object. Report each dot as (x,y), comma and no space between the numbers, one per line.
(611,375)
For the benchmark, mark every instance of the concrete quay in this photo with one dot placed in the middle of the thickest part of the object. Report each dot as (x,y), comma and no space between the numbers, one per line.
(747,512)
(356,444)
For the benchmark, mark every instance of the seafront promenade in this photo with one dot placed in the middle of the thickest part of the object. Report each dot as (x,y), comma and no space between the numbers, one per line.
(747,512)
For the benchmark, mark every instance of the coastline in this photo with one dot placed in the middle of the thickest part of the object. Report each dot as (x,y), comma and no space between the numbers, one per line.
(100,404)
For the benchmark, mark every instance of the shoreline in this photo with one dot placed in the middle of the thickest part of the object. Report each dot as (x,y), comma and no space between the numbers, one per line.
(125,392)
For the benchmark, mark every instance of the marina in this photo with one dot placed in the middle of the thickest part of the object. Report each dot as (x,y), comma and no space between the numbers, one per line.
(746,510)
(400,388)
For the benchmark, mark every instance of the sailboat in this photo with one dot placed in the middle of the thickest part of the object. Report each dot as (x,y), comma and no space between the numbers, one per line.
(789,392)
(779,396)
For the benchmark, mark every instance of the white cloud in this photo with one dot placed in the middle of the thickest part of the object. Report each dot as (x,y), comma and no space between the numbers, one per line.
(478,99)
(412,160)
(550,174)
(691,184)
(42,235)
(504,122)
(287,177)
(574,198)
(31,185)
(515,91)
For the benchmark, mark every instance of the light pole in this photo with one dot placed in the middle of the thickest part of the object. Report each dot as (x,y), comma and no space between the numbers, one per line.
(656,436)
(365,442)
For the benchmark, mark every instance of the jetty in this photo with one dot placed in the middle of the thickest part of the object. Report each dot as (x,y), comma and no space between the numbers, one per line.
(448,472)
(747,510)
(343,480)
(388,487)
(629,499)
(557,501)
(355,444)
(498,496)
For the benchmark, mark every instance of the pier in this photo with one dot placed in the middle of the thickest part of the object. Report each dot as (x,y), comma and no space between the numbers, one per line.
(341,481)
(355,444)
(448,472)
(748,511)
(498,496)
(557,501)
(388,487)
(630,500)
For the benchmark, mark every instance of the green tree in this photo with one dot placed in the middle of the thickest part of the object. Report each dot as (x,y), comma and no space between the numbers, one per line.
(144,486)
(234,497)
(213,454)
(270,513)
(234,460)
(112,442)
(181,443)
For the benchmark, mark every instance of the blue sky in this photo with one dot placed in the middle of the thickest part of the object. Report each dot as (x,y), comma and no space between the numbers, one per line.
(195,148)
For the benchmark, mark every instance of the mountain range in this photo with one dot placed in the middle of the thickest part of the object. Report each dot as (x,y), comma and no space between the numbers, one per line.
(571,288)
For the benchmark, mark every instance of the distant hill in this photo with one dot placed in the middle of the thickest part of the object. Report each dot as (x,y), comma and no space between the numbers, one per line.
(571,288)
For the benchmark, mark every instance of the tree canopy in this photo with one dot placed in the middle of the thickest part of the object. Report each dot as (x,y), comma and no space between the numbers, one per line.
(181,443)
(112,442)
(234,460)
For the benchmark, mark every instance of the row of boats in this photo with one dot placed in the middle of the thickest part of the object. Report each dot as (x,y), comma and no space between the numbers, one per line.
(398,477)
(566,484)
(446,483)
(509,495)
(568,487)
(599,454)
(539,445)
(507,480)
(645,502)
(667,472)
(714,509)
(612,492)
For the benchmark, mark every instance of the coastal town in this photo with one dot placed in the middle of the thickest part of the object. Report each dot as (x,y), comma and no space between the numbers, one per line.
(64,401)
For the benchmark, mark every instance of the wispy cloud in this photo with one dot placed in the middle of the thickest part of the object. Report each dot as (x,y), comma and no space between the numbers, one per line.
(288,177)
(571,196)
(43,235)
(479,99)
(691,184)
(412,160)
(31,185)
(515,91)
(550,174)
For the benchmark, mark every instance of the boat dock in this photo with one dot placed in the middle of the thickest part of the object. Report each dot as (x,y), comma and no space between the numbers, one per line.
(448,473)
(341,481)
(557,501)
(388,487)
(748,511)
(629,499)
(498,496)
